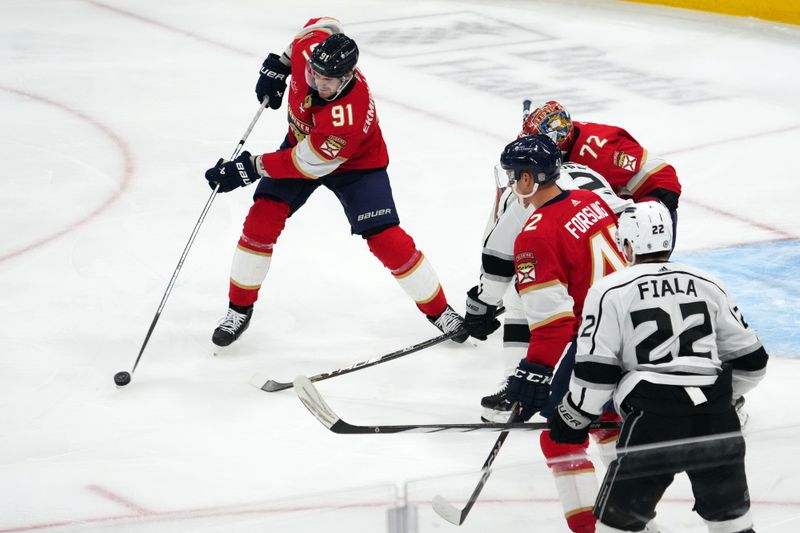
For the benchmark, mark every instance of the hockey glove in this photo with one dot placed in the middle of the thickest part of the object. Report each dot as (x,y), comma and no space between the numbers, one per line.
(530,386)
(272,80)
(569,424)
(232,174)
(479,320)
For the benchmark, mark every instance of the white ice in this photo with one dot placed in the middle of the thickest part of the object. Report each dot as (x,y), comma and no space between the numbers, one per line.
(110,112)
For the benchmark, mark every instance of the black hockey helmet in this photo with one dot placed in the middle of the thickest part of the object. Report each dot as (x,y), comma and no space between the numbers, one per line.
(536,154)
(335,56)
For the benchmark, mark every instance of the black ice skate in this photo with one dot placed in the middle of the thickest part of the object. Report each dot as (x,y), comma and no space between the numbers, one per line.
(233,325)
(496,407)
(449,321)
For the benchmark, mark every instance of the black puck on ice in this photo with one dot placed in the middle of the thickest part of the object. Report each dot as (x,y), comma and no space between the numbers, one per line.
(122,378)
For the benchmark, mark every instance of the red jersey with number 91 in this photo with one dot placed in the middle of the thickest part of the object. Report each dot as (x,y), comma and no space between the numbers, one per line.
(326,137)
(565,245)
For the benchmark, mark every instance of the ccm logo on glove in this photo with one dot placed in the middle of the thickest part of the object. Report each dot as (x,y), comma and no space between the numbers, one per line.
(532,377)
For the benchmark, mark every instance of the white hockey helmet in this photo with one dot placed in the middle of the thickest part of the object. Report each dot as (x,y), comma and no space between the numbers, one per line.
(647,226)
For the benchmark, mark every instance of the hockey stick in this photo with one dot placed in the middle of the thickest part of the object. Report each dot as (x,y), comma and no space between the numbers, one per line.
(318,407)
(269,385)
(123,378)
(526,109)
(457,516)
(260,381)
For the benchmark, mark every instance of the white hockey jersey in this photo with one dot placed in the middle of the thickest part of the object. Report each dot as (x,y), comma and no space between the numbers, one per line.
(664,323)
(509,216)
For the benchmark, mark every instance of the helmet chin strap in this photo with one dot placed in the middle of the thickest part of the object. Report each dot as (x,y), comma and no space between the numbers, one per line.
(524,196)
(342,85)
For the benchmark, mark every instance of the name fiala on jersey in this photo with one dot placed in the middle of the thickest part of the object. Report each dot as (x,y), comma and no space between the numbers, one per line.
(656,288)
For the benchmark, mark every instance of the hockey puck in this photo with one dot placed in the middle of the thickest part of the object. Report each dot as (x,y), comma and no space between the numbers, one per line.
(122,378)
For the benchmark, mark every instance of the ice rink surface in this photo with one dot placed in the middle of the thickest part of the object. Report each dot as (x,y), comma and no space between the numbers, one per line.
(111,112)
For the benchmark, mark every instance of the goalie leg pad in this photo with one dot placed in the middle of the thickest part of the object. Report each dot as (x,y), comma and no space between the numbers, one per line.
(251,260)
(396,250)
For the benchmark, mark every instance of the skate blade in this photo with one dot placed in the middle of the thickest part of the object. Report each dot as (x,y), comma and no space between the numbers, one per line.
(219,350)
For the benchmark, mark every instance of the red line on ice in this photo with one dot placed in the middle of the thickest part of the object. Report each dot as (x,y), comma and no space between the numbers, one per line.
(780,233)
(106,131)
(116,498)
(232,511)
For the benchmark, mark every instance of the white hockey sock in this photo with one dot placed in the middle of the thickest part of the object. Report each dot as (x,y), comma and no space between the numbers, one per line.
(250,267)
(418,279)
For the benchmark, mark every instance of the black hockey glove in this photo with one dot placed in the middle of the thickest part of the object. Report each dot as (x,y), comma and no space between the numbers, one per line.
(479,320)
(232,174)
(569,424)
(272,80)
(530,386)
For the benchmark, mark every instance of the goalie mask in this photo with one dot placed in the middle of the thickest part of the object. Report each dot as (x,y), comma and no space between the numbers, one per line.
(553,120)
(647,226)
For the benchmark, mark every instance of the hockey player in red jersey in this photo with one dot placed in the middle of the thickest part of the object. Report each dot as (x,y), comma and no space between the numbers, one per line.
(611,151)
(334,140)
(566,244)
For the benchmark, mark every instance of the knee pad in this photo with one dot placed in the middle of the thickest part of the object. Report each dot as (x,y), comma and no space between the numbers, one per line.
(264,223)
(393,247)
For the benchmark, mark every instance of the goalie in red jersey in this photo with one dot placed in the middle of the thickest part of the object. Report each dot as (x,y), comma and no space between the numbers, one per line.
(611,151)
(334,140)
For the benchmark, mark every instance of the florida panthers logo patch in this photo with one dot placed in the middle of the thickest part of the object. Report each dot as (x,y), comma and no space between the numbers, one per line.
(526,268)
(526,273)
(332,146)
(625,161)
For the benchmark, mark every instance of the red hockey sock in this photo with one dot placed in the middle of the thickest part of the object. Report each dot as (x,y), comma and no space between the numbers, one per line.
(396,250)
(262,227)
(575,480)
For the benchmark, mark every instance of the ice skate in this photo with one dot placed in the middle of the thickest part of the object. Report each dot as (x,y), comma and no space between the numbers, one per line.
(233,325)
(449,321)
(496,407)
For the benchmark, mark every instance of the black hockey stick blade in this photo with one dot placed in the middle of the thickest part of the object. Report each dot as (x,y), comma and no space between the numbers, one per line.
(318,407)
(260,381)
(457,516)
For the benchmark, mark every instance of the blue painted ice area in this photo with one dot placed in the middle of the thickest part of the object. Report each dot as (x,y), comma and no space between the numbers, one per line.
(764,280)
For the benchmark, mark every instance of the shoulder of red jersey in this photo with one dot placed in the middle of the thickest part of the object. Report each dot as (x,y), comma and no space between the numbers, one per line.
(605,130)
(324,25)
(580,198)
